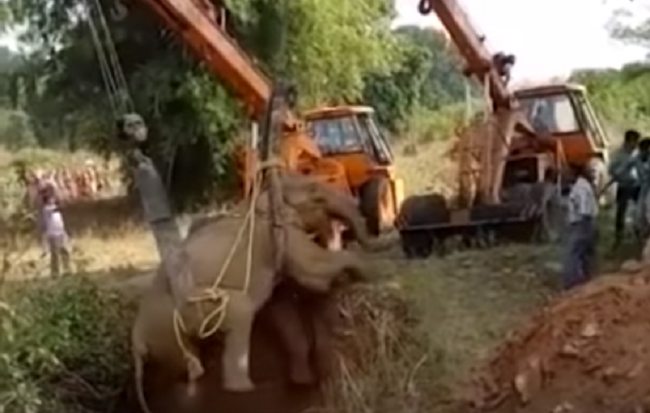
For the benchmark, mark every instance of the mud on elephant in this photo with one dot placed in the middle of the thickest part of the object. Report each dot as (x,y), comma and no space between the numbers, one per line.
(310,206)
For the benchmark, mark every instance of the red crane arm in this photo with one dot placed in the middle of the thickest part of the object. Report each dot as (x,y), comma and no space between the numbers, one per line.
(197,25)
(470,44)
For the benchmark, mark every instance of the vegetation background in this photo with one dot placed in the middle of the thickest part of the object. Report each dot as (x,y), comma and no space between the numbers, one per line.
(61,350)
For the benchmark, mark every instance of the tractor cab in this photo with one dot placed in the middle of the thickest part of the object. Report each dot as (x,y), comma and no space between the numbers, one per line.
(348,130)
(563,113)
(349,135)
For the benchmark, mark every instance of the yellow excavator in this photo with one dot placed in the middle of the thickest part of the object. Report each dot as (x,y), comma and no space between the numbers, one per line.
(506,159)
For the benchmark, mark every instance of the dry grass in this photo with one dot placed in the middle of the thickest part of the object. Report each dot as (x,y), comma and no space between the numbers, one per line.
(425,167)
(431,322)
(45,158)
(107,236)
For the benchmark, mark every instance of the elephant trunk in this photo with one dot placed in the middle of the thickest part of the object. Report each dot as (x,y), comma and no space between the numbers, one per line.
(344,208)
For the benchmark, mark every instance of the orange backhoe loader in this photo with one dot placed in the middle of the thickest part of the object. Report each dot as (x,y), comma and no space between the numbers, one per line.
(341,145)
(511,160)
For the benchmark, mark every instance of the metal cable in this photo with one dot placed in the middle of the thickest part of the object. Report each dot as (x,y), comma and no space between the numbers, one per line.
(112,73)
(109,82)
(115,62)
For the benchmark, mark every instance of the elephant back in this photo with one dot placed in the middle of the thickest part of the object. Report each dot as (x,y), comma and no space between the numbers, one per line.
(216,248)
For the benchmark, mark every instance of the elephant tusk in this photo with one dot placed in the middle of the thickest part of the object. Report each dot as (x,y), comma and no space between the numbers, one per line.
(242,363)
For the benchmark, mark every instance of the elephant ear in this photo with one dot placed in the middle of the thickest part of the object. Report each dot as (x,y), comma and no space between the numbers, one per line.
(299,195)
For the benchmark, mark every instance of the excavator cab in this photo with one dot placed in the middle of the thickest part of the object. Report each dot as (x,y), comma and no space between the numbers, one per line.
(347,130)
(350,136)
(563,113)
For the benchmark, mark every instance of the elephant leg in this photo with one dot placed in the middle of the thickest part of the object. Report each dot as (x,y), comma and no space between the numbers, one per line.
(284,312)
(195,370)
(236,352)
(324,320)
(140,352)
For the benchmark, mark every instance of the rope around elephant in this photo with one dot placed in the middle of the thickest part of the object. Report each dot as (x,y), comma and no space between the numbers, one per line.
(213,321)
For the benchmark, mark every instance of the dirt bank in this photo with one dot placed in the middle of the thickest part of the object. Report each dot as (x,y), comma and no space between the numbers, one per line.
(588,351)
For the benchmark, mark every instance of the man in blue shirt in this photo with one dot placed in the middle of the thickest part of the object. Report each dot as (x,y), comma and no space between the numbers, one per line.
(642,167)
(626,177)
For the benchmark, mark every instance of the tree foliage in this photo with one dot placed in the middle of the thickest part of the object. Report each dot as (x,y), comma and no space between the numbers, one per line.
(427,78)
(339,51)
(622,95)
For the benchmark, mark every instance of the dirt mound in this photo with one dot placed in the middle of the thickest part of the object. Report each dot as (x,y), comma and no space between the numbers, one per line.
(587,351)
(369,322)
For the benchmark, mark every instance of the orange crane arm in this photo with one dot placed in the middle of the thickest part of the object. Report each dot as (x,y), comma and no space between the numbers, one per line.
(471,46)
(195,22)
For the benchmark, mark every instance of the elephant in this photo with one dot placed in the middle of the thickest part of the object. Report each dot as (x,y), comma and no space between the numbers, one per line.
(309,207)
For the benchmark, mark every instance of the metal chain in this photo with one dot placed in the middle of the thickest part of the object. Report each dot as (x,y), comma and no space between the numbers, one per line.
(109,81)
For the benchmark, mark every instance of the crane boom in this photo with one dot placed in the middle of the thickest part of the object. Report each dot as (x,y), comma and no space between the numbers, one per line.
(213,46)
(471,46)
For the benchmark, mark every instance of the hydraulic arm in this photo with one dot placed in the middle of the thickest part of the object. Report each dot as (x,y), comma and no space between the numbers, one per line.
(195,21)
(480,62)
(492,71)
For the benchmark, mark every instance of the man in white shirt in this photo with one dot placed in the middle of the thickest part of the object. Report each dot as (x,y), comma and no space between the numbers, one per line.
(52,228)
(582,212)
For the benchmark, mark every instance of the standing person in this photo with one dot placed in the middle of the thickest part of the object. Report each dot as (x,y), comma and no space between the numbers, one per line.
(623,173)
(642,167)
(582,212)
(52,229)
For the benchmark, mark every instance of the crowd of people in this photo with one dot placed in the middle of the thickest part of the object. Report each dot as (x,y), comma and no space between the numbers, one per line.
(70,184)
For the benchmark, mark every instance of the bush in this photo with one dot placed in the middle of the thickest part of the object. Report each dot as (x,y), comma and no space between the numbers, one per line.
(424,125)
(57,337)
(15,130)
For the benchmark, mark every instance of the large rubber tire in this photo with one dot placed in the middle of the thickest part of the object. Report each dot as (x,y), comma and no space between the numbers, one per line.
(421,210)
(370,202)
(541,201)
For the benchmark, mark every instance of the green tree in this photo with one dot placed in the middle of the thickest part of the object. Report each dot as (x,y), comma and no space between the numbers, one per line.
(15,130)
(427,78)
(327,48)
(622,95)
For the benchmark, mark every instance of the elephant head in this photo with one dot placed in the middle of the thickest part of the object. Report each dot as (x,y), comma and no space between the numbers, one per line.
(318,203)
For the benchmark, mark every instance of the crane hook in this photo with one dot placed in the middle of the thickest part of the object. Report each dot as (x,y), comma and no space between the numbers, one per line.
(425,7)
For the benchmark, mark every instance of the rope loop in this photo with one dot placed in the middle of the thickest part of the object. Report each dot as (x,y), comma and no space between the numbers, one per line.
(215,294)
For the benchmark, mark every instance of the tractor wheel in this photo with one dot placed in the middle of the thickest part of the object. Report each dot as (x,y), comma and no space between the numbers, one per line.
(373,200)
(422,210)
(549,214)
(543,208)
